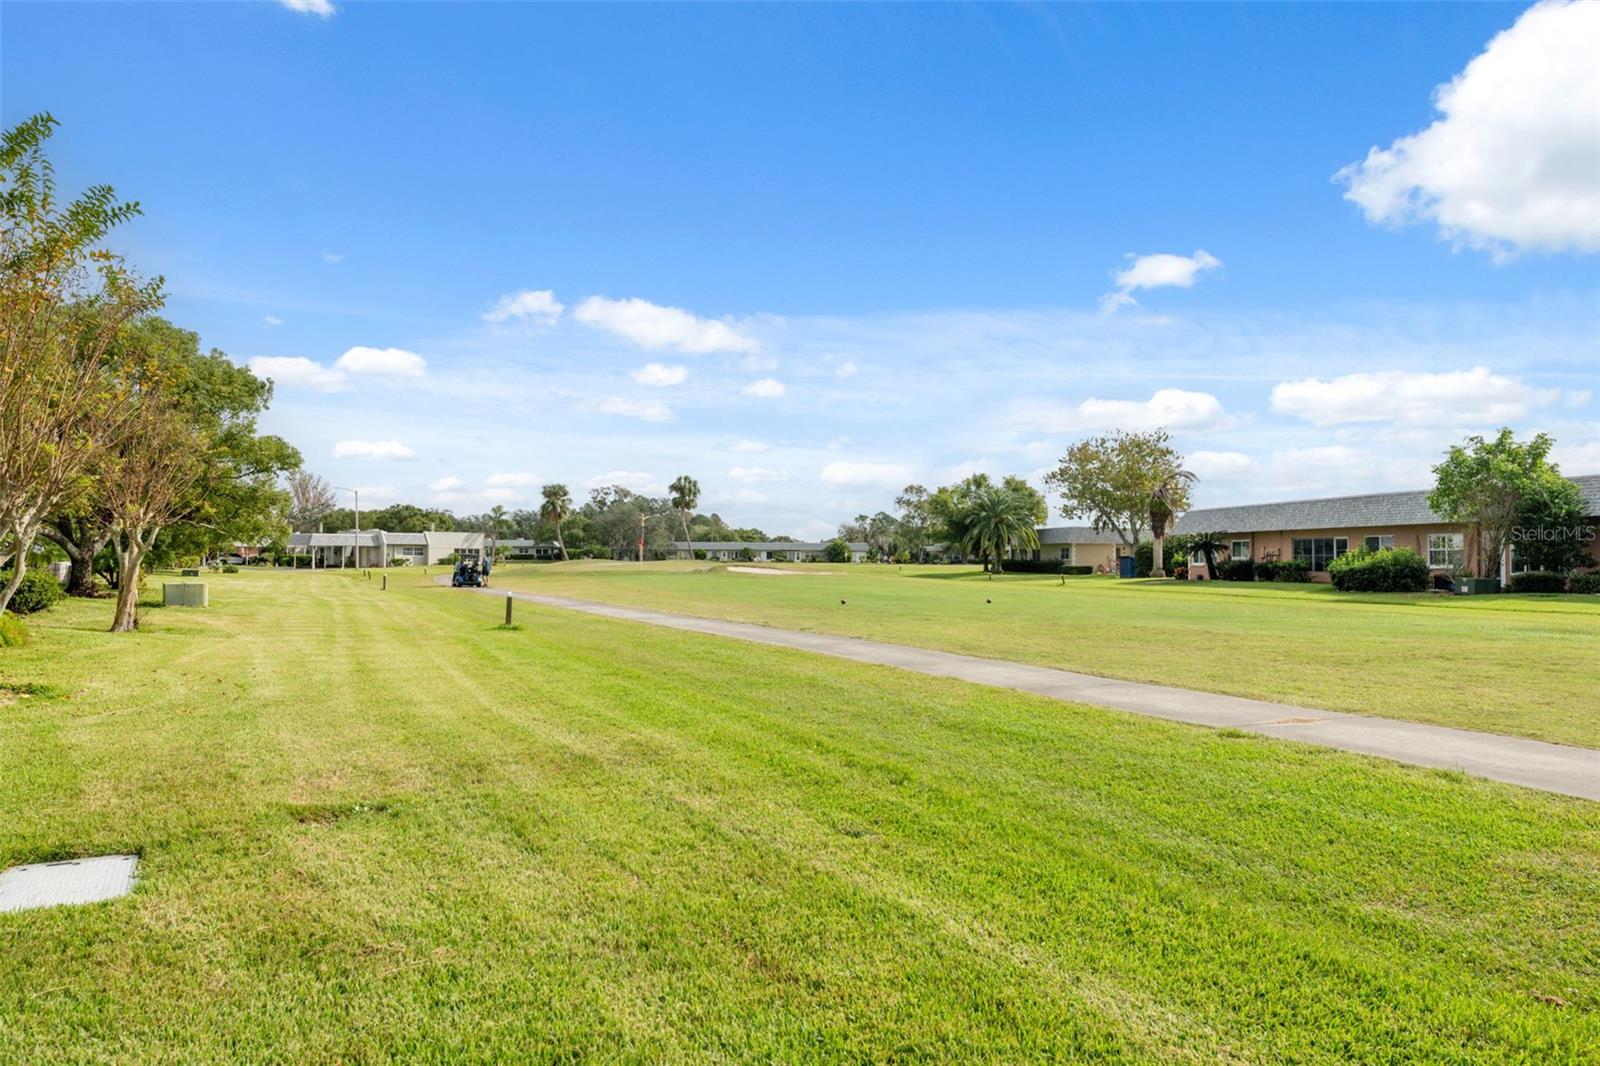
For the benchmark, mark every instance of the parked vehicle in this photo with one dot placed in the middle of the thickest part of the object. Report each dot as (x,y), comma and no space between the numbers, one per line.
(468,573)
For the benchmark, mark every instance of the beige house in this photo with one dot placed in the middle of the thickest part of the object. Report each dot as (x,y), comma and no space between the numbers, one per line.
(1320,531)
(1075,546)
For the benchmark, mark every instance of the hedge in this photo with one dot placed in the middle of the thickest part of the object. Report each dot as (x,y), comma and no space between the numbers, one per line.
(1042,566)
(1236,570)
(38,591)
(1386,570)
(1588,584)
(1538,581)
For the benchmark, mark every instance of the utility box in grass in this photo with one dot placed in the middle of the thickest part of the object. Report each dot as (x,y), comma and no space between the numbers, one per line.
(185,594)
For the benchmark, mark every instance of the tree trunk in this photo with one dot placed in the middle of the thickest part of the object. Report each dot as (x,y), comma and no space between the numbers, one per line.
(685,516)
(561,543)
(126,617)
(19,569)
(82,540)
(1157,558)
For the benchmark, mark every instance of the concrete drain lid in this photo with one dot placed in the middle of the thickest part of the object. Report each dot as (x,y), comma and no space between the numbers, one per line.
(52,884)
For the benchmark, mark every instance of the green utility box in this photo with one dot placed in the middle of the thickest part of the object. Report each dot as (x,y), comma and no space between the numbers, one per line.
(185,594)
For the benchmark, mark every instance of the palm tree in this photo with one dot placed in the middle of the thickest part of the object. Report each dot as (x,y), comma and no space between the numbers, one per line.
(685,498)
(996,521)
(556,509)
(497,524)
(1169,495)
(1209,545)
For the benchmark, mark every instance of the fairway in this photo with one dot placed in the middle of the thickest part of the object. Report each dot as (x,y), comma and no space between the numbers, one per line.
(373,824)
(1519,665)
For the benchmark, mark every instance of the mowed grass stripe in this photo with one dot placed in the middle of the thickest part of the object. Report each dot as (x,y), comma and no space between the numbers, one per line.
(406,832)
(1519,665)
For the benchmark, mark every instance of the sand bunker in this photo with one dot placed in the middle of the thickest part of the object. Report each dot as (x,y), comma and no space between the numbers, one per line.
(765,571)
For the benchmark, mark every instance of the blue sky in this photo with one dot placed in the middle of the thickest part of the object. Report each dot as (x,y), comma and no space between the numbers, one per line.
(810,253)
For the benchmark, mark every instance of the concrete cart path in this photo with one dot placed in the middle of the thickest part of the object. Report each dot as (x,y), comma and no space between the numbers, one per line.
(1532,763)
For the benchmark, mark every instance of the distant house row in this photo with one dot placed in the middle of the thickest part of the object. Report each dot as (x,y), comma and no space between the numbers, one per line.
(375,547)
(764,551)
(1317,531)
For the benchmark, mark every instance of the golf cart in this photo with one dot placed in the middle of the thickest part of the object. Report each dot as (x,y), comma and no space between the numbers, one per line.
(470,574)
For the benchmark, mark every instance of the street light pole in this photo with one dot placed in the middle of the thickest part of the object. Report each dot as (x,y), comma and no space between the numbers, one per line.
(357,494)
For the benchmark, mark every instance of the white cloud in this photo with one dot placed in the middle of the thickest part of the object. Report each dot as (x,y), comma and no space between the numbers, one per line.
(1219,465)
(645,410)
(1578,397)
(1513,163)
(660,374)
(846,369)
(752,474)
(445,484)
(766,388)
(372,449)
(271,321)
(296,371)
(1457,397)
(751,446)
(537,305)
(636,480)
(332,257)
(1171,409)
(518,479)
(653,326)
(387,362)
(1157,271)
(856,473)
(320,8)
(750,496)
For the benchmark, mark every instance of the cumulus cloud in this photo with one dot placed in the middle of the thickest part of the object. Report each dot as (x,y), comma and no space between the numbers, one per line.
(634,480)
(332,257)
(846,369)
(659,374)
(1513,163)
(1160,270)
(1219,465)
(652,326)
(534,305)
(320,8)
(645,410)
(1456,397)
(752,474)
(751,446)
(858,473)
(1172,409)
(296,371)
(271,321)
(517,479)
(765,388)
(385,362)
(445,484)
(372,449)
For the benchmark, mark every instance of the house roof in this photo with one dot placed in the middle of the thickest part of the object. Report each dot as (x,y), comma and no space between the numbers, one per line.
(1341,512)
(764,545)
(368,538)
(1074,535)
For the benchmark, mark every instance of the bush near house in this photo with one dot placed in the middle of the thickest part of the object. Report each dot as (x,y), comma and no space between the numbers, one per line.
(1144,557)
(837,551)
(1538,581)
(1386,570)
(1236,570)
(1044,566)
(37,592)
(1588,584)
(1296,570)
(13,634)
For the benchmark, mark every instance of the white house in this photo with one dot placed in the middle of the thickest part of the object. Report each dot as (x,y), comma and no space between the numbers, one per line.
(375,547)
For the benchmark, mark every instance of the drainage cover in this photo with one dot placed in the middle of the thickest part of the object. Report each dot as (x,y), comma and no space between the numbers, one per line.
(51,884)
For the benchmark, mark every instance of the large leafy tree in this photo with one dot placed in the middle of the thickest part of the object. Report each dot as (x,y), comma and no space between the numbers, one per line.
(997,520)
(556,508)
(1484,484)
(63,299)
(914,526)
(685,498)
(1551,532)
(1113,480)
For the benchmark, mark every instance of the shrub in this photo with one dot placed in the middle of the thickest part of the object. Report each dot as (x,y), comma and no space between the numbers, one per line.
(1144,556)
(1181,571)
(229,568)
(1267,570)
(37,592)
(837,551)
(745,555)
(1587,583)
(1538,581)
(13,634)
(699,553)
(1386,570)
(1236,570)
(1296,570)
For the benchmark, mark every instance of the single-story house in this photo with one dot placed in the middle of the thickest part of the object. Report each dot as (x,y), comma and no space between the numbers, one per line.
(1074,546)
(765,551)
(1320,531)
(539,549)
(375,547)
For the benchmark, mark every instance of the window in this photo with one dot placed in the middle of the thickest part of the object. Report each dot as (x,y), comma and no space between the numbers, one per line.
(1318,552)
(1239,549)
(1380,542)
(1066,553)
(1445,551)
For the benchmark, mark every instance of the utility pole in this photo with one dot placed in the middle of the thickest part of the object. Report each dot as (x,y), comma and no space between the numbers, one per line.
(641,536)
(357,494)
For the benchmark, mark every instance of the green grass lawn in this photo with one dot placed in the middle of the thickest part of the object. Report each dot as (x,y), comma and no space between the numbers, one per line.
(374,825)
(1522,665)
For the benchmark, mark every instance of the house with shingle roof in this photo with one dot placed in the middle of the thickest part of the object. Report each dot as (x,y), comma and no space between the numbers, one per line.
(1319,531)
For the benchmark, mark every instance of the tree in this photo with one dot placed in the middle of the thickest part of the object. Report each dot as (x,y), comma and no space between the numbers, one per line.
(497,523)
(63,297)
(1169,496)
(1550,532)
(837,551)
(998,520)
(1112,480)
(1484,484)
(914,527)
(685,498)
(148,477)
(311,500)
(1209,546)
(556,508)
